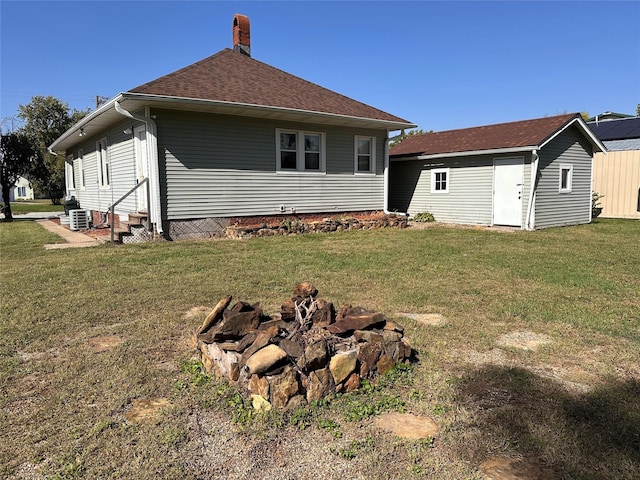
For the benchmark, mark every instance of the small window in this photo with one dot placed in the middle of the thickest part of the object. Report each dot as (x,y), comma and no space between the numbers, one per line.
(81,173)
(365,155)
(440,180)
(103,163)
(300,151)
(22,191)
(566,178)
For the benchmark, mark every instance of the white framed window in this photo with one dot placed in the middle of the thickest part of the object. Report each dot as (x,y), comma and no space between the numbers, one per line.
(365,155)
(566,179)
(102,164)
(299,151)
(81,173)
(68,173)
(22,191)
(440,180)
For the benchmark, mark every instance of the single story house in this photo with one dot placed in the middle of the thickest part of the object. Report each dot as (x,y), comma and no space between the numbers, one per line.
(616,175)
(227,137)
(529,174)
(22,190)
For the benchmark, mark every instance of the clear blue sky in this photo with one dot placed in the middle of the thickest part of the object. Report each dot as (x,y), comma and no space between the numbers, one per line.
(441,65)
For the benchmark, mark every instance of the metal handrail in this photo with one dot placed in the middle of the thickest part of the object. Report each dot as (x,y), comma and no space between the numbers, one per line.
(112,207)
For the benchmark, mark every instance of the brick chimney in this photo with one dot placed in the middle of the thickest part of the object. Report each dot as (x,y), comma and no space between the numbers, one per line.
(241,38)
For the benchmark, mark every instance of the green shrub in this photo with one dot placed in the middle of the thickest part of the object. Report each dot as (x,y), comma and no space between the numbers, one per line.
(424,217)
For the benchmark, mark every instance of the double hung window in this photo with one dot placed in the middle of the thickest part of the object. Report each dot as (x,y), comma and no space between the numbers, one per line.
(299,151)
(365,155)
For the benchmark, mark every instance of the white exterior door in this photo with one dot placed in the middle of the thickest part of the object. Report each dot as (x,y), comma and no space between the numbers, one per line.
(142,165)
(508,187)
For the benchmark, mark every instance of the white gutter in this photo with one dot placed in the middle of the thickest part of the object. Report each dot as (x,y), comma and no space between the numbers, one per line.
(155,216)
(530,220)
(492,151)
(320,117)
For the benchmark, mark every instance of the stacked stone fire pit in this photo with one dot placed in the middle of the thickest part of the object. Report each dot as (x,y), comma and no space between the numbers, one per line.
(303,353)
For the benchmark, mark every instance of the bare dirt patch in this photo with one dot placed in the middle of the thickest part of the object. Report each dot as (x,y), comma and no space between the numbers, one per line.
(429,319)
(504,468)
(104,342)
(523,340)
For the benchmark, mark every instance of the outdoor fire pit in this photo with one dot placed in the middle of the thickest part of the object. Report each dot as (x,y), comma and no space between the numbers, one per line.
(301,354)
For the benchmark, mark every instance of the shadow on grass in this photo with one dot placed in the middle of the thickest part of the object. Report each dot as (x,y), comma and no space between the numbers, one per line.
(593,435)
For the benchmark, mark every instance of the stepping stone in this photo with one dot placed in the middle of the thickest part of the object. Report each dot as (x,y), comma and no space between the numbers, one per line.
(406,425)
(144,410)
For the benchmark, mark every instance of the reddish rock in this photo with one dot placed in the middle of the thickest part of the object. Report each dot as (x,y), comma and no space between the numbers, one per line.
(215,315)
(320,384)
(259,385)
(356,322)
(305,289)
(368,357)
(384,364)
(352,383)
(324,315)
(367,336)
(284,386)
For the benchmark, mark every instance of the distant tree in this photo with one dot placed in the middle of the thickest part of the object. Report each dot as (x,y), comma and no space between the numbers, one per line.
(45,119)
(16,155)
(404,135)
(638,110)
(585,116)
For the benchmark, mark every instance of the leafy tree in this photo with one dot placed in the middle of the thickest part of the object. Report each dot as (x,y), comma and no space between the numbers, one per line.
(404,135)
(16,155)
(45,119)
(638,110)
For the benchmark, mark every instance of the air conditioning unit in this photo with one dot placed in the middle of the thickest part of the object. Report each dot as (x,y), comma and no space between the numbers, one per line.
(78,220)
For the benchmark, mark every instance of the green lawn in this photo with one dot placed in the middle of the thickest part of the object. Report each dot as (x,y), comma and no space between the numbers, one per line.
(35,206)
(572,407)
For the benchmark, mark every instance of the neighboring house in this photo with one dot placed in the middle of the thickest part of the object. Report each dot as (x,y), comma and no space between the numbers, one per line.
(529,174)
(22,190)
(616,175)
(227,137)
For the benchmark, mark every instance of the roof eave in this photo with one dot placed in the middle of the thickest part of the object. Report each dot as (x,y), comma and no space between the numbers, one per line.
(137,100)
(492,151)
(262,111)
(585,130)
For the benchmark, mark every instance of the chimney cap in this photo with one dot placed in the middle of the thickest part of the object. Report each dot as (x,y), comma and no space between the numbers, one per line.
(241,34)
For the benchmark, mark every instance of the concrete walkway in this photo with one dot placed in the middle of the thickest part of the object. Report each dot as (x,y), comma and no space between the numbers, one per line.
(73,239)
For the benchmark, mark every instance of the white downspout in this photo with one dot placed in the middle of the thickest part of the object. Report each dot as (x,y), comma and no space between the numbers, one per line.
(530,223)
(154,174)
